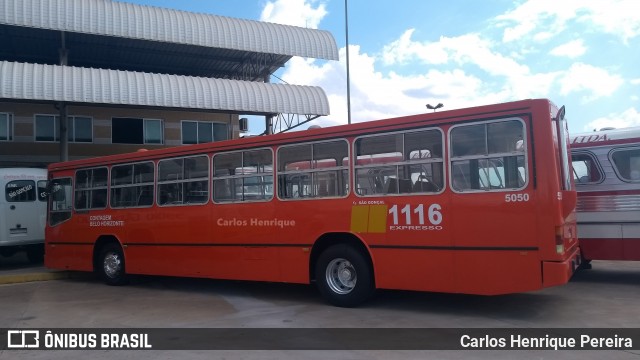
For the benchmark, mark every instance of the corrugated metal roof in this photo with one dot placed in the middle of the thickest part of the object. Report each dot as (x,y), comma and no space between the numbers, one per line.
(23,81)
(111,18)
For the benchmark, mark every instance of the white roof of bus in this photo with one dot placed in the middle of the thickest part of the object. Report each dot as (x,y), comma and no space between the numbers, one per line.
(9,174)
(595,137)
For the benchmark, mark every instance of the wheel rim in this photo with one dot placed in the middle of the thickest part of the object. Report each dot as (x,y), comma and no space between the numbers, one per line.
(112,264)
(341,276)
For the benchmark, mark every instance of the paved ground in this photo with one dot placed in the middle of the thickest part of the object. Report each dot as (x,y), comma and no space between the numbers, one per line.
(606,296)
(17,269)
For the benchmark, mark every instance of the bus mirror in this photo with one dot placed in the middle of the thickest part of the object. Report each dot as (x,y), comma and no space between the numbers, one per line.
(560,115)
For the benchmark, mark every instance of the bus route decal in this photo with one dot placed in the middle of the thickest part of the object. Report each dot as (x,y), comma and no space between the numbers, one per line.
(104,220)
(381,218)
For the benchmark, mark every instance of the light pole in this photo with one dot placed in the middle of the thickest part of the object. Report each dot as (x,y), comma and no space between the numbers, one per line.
(346,32)
(434,108)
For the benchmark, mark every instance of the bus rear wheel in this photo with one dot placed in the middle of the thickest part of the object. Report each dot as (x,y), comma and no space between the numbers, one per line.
(111,265)
(344,276)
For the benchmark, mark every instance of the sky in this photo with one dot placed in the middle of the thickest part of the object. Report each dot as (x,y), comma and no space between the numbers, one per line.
(584,54)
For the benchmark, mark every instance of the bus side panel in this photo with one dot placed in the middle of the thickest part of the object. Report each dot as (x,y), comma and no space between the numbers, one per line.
(69,257)
(632,243)
(232,262)
(601,241)
(413,269)
(602,249)
(224,241)
(498,272)
(501,236)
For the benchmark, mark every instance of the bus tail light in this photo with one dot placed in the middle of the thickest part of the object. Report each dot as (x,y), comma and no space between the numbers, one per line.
(559,240)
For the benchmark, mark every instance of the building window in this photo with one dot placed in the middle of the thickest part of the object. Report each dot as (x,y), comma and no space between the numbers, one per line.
(198,132)
(47,128)
(6,127)
(79,128)
(136,131)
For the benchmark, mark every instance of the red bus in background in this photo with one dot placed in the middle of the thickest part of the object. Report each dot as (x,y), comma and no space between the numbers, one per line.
(476,201)
(606,170)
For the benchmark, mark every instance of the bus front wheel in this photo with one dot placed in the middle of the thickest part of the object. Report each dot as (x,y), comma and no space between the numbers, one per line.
(344,276)
(111,265)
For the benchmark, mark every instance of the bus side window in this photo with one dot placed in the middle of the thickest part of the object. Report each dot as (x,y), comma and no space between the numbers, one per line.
(626,163)
(585,169)
(59,200)
(313,170)
(243,176)
(488,156)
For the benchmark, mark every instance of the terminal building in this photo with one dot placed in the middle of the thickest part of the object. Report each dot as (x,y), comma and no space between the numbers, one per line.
(85,78)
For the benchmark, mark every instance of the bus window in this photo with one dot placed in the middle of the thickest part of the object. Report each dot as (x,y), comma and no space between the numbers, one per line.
(132,185)
(42,190)
(20,191)
(313,170)
(183,181)
(399,163)
(91,189)
(626,163)
(243,176)
(585,169)
(488,156)
(59,200)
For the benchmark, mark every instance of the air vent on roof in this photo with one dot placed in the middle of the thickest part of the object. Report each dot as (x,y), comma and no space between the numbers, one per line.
(243,124)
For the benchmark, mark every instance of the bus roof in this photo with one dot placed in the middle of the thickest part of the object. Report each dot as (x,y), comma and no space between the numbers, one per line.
(606,137)
(404,122)
(8,174)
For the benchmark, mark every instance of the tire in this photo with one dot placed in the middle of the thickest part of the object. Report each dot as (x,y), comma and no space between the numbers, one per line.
(110,265)
(344,276)
(35,254)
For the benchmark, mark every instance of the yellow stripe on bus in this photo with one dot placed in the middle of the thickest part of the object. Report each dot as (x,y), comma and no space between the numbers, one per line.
(377,218)
(359,218)
(369,218)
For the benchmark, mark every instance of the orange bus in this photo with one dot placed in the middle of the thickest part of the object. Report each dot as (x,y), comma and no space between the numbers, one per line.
(476,201)
(606,170)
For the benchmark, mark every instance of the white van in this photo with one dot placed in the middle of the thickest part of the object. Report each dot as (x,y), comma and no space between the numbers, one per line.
(23,211)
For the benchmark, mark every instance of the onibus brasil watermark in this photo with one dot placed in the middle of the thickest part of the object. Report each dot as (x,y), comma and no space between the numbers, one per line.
(33,339)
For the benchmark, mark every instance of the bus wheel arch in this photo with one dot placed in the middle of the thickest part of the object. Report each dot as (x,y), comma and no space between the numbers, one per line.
(109,260)
(342,268)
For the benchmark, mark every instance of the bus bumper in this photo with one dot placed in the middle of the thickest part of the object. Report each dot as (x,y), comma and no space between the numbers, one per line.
(556,273)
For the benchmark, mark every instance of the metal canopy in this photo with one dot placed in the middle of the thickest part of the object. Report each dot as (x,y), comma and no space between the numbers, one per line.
(53,83)
(121,36)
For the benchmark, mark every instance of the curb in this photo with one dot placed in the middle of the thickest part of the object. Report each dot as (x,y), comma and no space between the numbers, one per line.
(39,276)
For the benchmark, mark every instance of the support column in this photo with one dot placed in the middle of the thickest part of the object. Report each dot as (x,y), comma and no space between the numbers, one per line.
(62,107)
(64,134)
(268,119)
